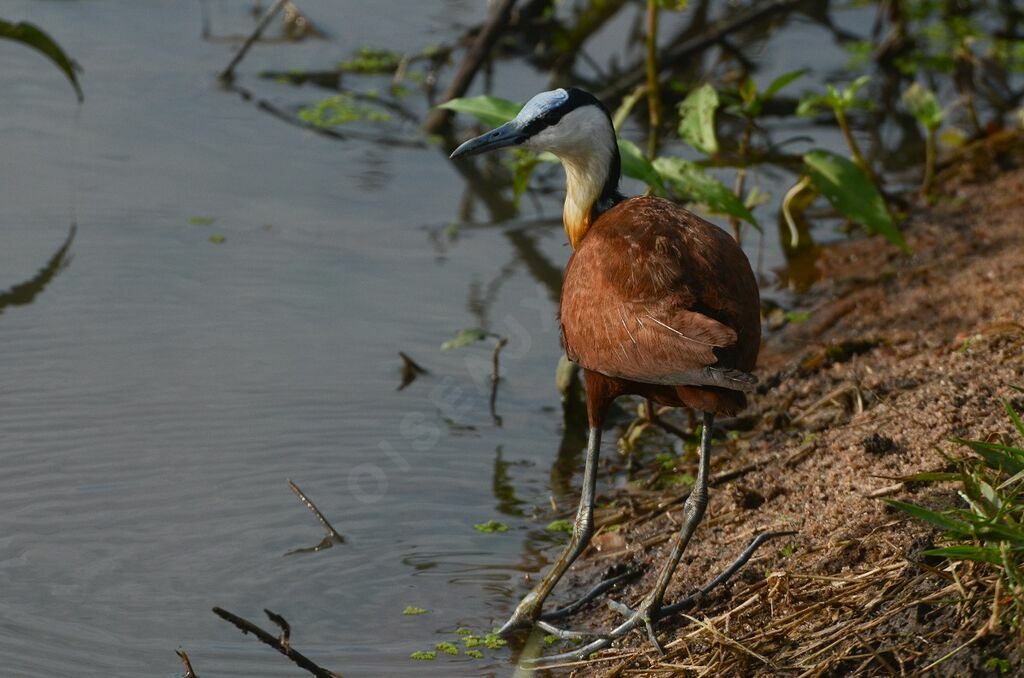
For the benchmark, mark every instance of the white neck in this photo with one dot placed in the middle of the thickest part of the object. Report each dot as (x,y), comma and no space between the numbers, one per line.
(585,143)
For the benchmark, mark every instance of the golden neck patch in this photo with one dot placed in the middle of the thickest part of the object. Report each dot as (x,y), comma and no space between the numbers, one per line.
(585,175)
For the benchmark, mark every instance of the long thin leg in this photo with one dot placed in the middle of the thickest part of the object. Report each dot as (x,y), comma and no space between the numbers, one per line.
(528,610)
(648,612)
(693,512)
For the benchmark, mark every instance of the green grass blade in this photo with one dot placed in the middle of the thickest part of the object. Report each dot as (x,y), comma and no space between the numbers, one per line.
(1014,417)
(942,520)
(980,553)
(32,36)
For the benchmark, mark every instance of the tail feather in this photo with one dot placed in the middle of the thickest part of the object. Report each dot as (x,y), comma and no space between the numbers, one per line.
(723,377)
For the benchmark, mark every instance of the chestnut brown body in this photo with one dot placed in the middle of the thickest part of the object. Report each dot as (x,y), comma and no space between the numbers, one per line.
(652,295)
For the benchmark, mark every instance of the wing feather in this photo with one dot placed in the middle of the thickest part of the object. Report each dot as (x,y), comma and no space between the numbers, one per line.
(656,295)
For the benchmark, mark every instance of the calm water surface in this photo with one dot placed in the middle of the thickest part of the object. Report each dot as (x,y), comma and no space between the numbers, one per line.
(160,389)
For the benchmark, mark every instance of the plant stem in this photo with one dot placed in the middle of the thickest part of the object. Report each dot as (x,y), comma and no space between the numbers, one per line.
(858,158)
(653,89)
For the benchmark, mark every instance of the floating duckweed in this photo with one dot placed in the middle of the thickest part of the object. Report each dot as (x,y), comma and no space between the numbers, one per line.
(472,641)
(424,656)
(411,611)
(201,221)
(369,61)
(338,110)
(217,239)
(463,631)
(493,641)
(491,526)
(447,648)
(475,654)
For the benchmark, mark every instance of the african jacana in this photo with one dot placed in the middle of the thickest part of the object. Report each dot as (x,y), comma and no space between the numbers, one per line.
(656,302)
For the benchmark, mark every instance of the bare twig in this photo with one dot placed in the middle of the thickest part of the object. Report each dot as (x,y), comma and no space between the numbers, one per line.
(189,671)
(301,660)
(333,536)
(286,628)
(471,63)
(410,370)
(228,74)
(496,377)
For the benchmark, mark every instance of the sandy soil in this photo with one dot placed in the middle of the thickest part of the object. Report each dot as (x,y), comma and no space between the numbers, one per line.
(899,355)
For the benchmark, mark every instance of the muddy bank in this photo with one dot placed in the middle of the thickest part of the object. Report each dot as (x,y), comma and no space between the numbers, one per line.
(896,356)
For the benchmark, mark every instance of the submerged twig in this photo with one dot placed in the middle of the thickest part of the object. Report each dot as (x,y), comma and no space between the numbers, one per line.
(333,536)
(228,74)
(496,377)
(410,370)
(189,671)
(301,660)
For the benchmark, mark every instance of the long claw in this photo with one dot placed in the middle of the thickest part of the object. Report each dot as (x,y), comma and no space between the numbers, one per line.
(597,590)
(564,634)
(646,615)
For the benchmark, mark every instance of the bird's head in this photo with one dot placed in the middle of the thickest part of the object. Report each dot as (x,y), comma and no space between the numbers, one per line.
(576,127)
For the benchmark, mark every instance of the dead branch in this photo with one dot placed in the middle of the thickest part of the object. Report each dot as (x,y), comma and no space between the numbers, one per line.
(228,74)
(189,671)
(285,648)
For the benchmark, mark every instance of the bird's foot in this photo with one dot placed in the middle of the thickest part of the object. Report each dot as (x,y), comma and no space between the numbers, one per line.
(526,614)
(650,612)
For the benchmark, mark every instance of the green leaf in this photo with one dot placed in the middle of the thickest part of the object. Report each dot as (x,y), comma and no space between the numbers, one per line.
(754,102)
(522,169)
(810,105)
(1014,417)
(850,191)
(32,36)
(933,517)
(781,82)
(691,182)
(424,656)
(922,104)
(1010,459)
(636,165)
(465,338)
(489,110)
(697,119)
(986,554)
(411,611)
